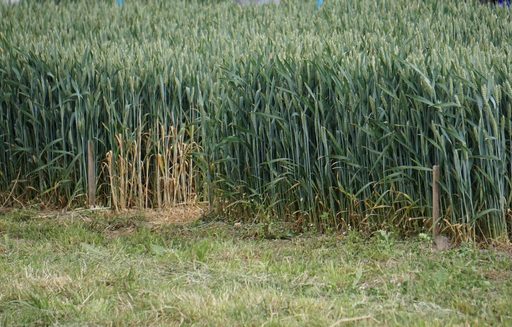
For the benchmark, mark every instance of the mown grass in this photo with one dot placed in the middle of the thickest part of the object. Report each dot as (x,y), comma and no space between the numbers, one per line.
(112,269)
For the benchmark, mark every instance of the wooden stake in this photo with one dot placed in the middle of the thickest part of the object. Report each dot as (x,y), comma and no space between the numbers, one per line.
(435,201)
(91,180)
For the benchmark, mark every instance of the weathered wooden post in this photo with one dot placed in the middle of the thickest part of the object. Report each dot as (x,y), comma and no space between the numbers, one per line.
(435,201)
(91,178)
(441,243)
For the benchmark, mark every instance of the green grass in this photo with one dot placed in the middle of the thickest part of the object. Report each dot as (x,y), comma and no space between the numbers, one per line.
(108,269)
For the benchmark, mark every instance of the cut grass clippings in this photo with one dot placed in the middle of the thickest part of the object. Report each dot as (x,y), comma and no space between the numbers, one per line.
(113,269)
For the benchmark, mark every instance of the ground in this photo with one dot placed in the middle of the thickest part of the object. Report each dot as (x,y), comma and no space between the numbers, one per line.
(170,268)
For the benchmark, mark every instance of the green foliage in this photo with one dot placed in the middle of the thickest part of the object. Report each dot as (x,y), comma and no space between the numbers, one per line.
(330,118)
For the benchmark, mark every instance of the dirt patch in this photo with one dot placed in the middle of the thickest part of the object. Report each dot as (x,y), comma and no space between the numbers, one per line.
(156,217)
(176,215)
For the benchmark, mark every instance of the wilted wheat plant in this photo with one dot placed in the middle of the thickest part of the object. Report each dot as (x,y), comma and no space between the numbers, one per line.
(332,119)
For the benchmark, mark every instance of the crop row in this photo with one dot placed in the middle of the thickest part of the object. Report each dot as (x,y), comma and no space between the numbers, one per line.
(331,118)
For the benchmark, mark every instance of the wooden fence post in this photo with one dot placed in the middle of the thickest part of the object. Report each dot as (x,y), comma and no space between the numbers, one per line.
(91,178)
(435,201)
